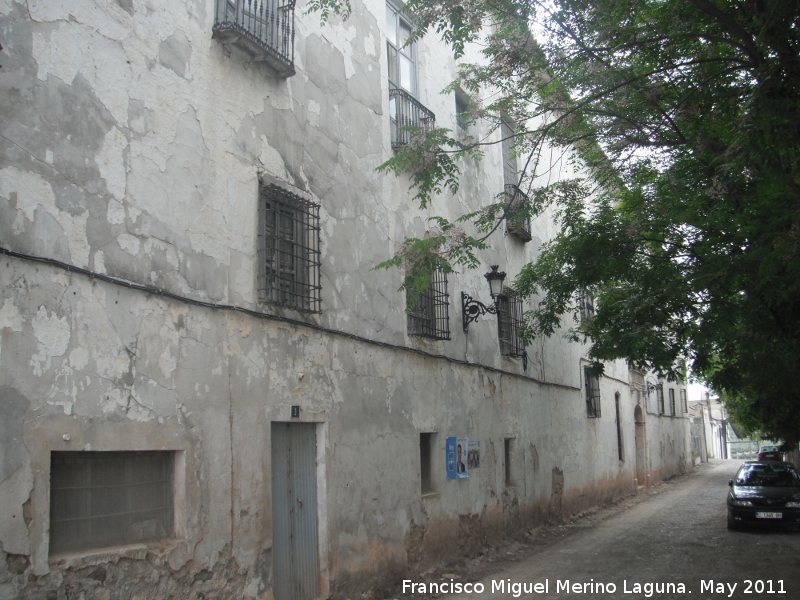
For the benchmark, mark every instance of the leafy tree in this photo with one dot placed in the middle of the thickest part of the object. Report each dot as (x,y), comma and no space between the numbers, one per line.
(687,115)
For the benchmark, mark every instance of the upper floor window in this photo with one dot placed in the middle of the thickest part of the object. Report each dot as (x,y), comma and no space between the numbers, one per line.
(263,29)
(684,403)
(672,402)
(289,236)
(402,55)
(428,316)
(591,383)
(510,174)
(462,110)
(509,323)
(660,397)
(518,222)
(406,112)
(585,305)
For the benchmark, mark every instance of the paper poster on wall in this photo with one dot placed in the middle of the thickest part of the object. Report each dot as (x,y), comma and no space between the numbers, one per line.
(450,457)
(462,446)
(474,455)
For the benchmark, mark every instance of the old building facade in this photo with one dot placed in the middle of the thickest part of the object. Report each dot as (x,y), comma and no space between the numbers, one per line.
(204,386)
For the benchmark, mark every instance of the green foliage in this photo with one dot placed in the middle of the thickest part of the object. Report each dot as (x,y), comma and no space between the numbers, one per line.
(687,233)
(326,7)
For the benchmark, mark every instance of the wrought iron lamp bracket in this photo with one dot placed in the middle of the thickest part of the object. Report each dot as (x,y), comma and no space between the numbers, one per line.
(472,309)
(651,387)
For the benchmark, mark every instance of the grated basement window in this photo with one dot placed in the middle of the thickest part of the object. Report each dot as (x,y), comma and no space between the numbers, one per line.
(592,385)
(429,315)
(100,499)
(509,323)
(426,449)
(289,248)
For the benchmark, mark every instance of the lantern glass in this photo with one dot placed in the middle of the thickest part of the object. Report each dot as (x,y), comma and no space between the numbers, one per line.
(495,280)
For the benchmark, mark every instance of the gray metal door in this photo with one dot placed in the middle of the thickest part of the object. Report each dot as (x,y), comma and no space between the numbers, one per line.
(294,511)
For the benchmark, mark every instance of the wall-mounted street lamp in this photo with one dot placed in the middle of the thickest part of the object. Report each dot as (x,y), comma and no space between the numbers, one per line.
(653,386)
(472,309)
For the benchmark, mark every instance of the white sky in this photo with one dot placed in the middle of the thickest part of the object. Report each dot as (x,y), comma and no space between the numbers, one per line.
(696,391)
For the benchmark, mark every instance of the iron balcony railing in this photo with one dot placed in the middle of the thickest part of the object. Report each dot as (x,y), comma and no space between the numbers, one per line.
(264,29)
(518,225)
(407,114)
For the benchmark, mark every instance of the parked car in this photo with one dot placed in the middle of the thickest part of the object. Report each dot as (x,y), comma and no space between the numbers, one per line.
(764,493)
(770,453)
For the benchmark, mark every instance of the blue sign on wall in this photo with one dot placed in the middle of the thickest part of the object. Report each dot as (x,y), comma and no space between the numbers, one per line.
(450,457)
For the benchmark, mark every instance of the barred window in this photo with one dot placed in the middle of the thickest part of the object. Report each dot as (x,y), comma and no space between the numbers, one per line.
(519,224)
(585,305)
(591,383)
(660,397)
(462,110)
(429,315)
(289,246)
(672,402)
(509,323)
(684,403)
(510,174)
(100,499)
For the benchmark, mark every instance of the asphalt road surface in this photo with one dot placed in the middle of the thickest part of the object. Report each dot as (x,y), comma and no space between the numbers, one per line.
(675,544)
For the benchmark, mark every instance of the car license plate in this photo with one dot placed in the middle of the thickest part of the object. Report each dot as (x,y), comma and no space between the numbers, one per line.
(769,515)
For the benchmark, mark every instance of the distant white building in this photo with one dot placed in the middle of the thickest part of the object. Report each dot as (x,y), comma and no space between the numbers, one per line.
(205,389)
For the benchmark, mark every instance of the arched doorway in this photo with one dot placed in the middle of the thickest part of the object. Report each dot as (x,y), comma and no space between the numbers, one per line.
(641,444)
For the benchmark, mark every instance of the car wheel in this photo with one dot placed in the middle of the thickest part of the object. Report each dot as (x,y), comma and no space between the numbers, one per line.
(732,525)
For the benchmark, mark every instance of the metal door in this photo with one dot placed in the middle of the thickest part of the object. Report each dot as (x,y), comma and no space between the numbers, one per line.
(294,511)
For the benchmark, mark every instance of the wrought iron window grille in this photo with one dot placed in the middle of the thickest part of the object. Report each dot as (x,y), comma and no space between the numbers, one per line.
(264,29)
(407,116)
(658,388)
(510,324)
(102,499)
(585,306)
(429,315)
(462,111)
(518,225)
(591,384)
(289,247)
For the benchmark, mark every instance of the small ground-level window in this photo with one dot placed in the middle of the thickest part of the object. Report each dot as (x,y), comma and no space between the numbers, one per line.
(620,453)
(100,499)
(426,447)
(510,466)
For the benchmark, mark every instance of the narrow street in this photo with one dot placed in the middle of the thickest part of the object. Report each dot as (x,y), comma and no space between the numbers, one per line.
(676,536)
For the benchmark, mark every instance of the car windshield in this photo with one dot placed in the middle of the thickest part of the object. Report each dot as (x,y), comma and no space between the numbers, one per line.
(767,476)
(769,449)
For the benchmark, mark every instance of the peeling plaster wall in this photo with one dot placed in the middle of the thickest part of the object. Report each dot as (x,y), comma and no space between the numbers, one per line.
(131,144)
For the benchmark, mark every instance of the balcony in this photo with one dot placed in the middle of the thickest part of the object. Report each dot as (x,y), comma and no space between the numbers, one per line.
(263,29)
(518,225)
(407,112)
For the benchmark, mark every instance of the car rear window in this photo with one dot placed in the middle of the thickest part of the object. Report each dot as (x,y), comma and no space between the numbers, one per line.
(767,476)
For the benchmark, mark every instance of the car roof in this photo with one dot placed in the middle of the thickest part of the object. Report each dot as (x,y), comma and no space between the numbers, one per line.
(767,463)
